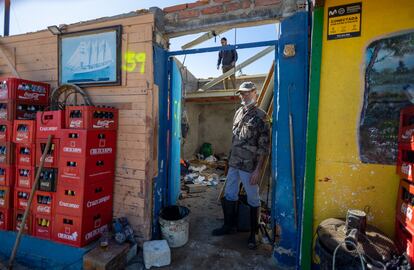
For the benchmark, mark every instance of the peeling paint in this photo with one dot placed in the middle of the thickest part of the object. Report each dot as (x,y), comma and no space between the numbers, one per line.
(283,251)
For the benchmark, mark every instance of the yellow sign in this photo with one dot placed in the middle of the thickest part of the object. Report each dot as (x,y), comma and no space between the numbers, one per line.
(344,24)
(132,59)
(344,21)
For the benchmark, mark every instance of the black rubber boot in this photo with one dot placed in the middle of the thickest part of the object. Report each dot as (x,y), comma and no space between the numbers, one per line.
(254,227)
(229,212)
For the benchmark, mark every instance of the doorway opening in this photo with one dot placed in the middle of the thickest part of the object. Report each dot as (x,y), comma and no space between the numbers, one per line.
(202,110)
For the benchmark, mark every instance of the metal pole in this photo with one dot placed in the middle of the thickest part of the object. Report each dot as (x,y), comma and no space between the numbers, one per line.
(29,203)
(6,17)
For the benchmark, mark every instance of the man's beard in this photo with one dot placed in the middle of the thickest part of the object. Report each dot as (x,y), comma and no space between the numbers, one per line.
(248,103)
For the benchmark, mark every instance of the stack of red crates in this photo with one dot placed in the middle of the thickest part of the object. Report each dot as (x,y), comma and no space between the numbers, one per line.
(43,206)
(84,196)
(19,99)
(6,175)
(404,228)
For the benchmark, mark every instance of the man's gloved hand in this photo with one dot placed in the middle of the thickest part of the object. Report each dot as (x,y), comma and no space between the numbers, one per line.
(254,179)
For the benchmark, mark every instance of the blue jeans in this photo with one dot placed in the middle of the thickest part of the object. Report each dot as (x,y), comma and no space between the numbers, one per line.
(231,192)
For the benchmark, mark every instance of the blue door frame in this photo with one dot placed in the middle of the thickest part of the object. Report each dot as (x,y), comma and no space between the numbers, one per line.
(290,95)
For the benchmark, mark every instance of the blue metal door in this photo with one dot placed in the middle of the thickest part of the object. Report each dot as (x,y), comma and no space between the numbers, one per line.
(175,135)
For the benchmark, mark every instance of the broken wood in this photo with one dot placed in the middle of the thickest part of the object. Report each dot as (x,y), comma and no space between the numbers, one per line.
(195,188)
(236,68)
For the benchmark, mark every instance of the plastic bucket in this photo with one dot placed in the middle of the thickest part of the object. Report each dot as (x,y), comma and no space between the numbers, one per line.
(174,222)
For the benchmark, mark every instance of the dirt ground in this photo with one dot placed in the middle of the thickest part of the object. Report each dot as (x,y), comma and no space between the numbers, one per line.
(203,251)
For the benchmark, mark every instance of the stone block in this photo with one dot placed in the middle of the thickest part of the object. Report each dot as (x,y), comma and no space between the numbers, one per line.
(156,253)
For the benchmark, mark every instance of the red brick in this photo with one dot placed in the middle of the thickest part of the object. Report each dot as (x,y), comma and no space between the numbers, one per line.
(267,2)
(246,4)
(212,10)
(175,8)
(197,4)
(188,14)
(221,1)
(233,6)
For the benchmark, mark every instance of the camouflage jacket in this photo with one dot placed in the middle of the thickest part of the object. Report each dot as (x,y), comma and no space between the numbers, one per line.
(251,138)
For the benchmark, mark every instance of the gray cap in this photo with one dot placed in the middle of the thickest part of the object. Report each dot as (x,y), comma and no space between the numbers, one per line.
(246,87)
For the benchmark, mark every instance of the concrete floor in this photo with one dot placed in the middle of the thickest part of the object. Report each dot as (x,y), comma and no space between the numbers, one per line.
(203,251)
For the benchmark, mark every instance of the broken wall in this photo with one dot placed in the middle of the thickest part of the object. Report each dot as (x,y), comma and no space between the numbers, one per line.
(344,178)
(35,57)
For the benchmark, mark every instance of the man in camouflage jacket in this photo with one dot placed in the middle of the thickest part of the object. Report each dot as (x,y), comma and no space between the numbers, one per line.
(250,146)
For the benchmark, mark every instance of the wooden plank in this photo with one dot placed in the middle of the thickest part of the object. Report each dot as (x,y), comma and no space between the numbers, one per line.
(131,163)
(26,37)
(36,49)
(40,75)
(131,129)
(36,66)
(132,173)
(108,21)
(116,91)
(131,113)
(266,83)
(9,60)
(109,99)
(132,145)
(131,137)
(50,39)
(129,154)
(139,33)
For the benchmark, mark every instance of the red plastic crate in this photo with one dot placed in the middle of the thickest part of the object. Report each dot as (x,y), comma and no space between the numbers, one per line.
(80,171)
(48,179)
(6,197)
(77,231)
(49,123)
(7,110)
(43,203)
(42,226)
(5,219)
(81,143)
(404,240)
(25,176)
(27,111)
(7,175)
(7,153)
(24,131)
(25,154)
(6,131)
(17,217)
(52,157)
(82,201)
(24,90)
(21,198)
(91,117)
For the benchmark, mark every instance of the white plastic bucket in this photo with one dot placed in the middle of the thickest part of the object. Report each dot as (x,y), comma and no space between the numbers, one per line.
(174,221)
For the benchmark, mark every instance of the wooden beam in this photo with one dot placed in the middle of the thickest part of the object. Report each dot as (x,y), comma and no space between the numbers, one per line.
(8,62)
(238,67)
(204,37)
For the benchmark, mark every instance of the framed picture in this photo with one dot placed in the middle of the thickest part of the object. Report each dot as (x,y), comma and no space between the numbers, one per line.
(91,57)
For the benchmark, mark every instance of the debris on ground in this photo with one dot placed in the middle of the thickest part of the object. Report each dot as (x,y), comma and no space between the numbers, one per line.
(198,174)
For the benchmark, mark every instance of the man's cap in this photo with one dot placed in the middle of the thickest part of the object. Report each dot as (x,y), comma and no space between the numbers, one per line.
(246,87)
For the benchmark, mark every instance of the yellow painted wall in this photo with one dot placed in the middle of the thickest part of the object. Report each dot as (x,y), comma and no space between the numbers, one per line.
(342,181)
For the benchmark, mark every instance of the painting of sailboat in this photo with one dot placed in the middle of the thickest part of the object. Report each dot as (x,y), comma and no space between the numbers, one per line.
(90,58)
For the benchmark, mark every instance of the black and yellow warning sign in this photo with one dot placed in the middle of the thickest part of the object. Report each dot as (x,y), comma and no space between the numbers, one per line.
(344,21)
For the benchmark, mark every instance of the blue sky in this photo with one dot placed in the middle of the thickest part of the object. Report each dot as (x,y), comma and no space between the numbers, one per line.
(33,15)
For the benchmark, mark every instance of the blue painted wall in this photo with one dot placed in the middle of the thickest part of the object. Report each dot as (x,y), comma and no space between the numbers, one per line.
(291,94)
(160,184)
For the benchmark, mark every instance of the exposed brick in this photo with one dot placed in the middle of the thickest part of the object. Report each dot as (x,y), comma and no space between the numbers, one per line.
(197,4)
(175,8)
(233,6)
(185,14)
(221,1)
(246,4)
(259,3)
(212,10)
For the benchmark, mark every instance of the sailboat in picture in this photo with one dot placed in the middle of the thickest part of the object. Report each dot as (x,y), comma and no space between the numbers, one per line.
(90,56)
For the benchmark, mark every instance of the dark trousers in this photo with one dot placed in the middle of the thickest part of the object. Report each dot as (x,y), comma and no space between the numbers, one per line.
(232,78)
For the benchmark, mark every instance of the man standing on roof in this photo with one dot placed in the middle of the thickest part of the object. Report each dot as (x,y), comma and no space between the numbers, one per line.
(250,146)
(227,58)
